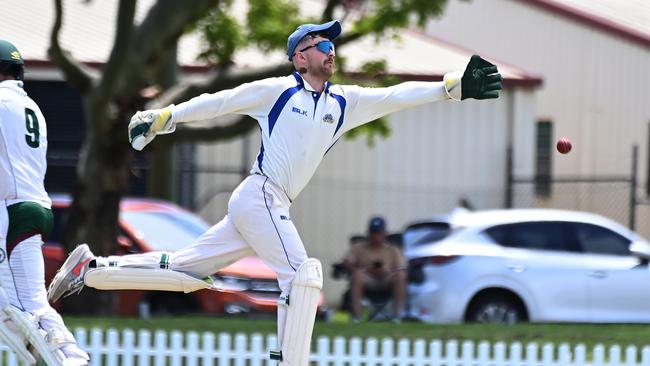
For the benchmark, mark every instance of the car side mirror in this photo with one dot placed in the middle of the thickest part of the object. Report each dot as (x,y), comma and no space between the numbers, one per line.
(641,250)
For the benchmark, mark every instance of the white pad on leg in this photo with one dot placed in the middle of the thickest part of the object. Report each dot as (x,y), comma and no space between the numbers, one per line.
(301,313)
(126,278)
(26,326)
(9,335)
(57,340)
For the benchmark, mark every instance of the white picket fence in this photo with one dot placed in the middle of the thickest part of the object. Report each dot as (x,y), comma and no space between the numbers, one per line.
(128,348)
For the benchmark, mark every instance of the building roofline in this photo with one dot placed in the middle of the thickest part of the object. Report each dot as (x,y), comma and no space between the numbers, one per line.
(99,65)
(526,78)
(593,20)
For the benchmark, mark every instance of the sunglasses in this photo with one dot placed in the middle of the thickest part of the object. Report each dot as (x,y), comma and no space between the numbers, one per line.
(323,46)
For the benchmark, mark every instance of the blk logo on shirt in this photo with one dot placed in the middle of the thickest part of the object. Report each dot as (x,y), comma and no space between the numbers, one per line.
(299,111)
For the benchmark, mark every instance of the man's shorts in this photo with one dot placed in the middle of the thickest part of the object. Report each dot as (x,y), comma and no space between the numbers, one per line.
(27,219)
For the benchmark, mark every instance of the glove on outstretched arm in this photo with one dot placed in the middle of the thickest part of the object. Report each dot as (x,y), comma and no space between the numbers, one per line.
(481,80)
(145,125)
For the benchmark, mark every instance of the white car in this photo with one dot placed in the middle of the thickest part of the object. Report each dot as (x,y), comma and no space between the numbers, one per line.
(537,265)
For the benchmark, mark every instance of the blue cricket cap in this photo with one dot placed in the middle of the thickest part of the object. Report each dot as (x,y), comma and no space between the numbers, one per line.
(377,223)
(332,29)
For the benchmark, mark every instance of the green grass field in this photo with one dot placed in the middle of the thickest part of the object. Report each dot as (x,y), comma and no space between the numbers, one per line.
(587,334)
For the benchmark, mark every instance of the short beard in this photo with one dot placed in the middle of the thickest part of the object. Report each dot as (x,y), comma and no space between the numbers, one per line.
(327,71)
(320,71)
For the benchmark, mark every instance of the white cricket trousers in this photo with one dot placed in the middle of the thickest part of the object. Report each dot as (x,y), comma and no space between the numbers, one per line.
(22,276)
(258,222)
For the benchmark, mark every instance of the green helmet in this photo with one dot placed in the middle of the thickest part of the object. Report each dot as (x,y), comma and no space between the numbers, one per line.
(9,53)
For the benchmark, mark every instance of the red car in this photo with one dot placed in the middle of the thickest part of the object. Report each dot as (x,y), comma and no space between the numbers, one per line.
(248,286)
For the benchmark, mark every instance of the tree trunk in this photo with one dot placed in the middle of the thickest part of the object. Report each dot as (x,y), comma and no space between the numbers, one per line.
(93,217)
(161,177)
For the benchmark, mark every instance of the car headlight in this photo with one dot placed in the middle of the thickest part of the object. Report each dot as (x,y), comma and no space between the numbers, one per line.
(232,283)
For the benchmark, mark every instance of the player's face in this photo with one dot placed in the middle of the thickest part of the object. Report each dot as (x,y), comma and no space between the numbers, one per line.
(377,236)
(319,54)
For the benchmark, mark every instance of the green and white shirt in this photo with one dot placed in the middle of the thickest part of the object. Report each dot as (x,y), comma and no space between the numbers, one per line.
(23,146)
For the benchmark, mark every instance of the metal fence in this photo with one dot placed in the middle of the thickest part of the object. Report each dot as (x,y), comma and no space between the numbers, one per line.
(128,348)
(613,196)
(608,196)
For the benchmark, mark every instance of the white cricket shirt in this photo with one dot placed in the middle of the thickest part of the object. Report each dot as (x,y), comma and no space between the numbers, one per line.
(23,146)
(298,124)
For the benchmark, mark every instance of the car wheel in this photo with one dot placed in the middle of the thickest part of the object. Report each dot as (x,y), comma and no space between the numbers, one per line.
(496,310)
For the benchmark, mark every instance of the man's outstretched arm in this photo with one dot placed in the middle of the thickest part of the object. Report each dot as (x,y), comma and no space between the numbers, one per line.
(251,99)
(481,80)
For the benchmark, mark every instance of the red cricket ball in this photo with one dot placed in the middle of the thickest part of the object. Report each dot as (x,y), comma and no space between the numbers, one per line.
(564,145)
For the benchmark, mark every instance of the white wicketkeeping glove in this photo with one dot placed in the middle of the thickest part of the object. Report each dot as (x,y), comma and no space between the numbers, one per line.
(145,125)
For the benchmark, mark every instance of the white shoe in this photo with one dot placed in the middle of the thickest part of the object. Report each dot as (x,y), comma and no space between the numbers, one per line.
(70,277)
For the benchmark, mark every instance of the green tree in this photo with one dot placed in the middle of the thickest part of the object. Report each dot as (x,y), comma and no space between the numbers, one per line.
(141,73)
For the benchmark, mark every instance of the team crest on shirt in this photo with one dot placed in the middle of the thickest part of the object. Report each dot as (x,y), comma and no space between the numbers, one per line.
(328,118)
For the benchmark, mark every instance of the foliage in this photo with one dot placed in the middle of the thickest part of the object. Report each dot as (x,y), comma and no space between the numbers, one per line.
(391,14)
(269,22)
(222,34)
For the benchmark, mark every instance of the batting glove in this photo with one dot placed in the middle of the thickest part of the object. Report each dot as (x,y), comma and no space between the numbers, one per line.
(481,80)
(145,125)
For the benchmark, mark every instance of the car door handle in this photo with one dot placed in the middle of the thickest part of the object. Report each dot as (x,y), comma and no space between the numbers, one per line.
(598,274)
(517,267)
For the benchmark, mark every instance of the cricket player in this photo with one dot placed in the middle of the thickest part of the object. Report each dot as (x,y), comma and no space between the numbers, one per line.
(26,220)
(301,116)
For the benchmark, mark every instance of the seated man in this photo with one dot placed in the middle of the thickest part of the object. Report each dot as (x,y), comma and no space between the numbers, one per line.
(376,266)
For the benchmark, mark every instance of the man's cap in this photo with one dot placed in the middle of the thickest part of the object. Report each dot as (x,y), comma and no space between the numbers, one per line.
(377,223)
(332,29)
(9,53)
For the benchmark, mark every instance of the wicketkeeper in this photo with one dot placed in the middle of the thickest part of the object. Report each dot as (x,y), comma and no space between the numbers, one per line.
(301,116)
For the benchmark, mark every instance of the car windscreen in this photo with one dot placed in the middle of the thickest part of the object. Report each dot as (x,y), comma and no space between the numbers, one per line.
(163,230)
(425,233)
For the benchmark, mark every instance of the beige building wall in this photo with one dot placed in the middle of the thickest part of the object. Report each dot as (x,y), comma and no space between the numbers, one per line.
(594,91)
(437,154)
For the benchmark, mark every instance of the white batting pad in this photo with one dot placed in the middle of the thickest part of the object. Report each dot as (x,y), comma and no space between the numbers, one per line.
(27,329)
(303,302)
(125,278)
(9,335)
